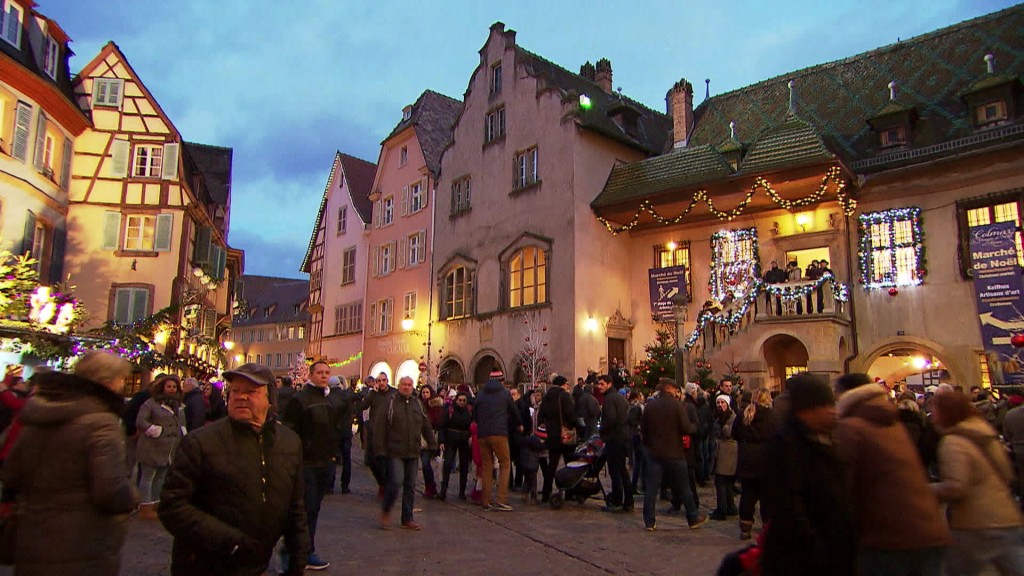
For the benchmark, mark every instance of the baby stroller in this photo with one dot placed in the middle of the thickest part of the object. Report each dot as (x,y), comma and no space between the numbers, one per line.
(579,479)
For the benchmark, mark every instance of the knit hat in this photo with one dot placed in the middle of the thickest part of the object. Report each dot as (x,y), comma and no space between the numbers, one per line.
(808,391)
(850,381)
(726,397)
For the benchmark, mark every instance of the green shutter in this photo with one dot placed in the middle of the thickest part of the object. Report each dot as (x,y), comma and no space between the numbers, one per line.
(30,234)
(140,304)
(22,126)
(164,226)
(111,230)
(65,170)
(37,159)
(202,251)
(169,170)
(60,236)
(122,305)
(119,158)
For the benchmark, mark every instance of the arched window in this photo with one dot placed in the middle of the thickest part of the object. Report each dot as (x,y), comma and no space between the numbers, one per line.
(528,280)
(458,293)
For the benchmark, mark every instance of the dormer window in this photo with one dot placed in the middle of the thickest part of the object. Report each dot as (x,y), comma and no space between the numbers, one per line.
(893,137)
(991,114)
(406,113)
(50,61)
(10,22)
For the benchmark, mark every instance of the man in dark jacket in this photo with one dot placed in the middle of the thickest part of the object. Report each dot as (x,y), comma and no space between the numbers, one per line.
(495,412)
(285,390)
(556,411)
(374,404)
(313,415)
(615,434)
(811,531)
(346,401)
(195,408)
(235,487)
(588,410)
(663,425)
(397,433)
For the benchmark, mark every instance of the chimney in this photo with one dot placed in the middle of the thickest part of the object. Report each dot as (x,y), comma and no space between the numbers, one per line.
(603,75)
(588,72)
(680,99)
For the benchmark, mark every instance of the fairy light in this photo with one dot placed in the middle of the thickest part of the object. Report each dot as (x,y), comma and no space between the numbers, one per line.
(893,276)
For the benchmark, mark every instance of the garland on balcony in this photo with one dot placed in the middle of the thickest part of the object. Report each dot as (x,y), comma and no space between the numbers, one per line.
(833,176)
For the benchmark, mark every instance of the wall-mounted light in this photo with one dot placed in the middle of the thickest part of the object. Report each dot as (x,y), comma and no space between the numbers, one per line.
(591,324)
(802,220)
(407,323)
(671,246)
(229,345)
(585,102)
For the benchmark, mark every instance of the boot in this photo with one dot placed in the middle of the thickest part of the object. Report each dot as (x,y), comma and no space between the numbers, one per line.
(442,495)
(745,527)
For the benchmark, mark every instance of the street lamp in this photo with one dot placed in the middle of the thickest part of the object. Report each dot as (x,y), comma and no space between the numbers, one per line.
(407,323)
(679,309)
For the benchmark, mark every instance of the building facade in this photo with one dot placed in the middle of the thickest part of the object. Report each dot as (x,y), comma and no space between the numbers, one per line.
(397,334)
(271,322)
(520,261)
(336,261)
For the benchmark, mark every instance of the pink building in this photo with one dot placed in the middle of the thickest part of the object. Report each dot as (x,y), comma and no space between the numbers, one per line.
(399,292)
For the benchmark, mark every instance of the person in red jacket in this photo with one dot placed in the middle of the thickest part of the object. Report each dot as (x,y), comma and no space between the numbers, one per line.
(14,393)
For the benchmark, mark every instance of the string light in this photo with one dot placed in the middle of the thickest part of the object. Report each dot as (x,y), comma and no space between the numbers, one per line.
(833,177)
(892,275)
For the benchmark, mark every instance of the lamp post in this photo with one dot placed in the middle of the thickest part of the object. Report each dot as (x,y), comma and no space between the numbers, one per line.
(679,309)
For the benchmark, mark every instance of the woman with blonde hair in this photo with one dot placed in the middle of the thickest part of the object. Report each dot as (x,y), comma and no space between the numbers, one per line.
(161,424)
(752,430)
(68,469)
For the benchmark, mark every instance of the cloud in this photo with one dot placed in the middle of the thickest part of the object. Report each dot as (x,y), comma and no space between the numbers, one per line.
(270,257)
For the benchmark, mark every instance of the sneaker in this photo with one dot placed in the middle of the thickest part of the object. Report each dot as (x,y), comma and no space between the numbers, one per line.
(488,508)
(410,525)
(651,527)
(499,507)
(315,563)
(699,521)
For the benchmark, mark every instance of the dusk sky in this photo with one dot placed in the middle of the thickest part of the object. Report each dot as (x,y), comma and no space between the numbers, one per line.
(287,83)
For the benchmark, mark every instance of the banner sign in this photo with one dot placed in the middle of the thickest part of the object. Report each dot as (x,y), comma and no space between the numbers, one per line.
(998,288)
(664,284)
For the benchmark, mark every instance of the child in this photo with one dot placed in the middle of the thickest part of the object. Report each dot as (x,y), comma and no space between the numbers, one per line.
(529,459)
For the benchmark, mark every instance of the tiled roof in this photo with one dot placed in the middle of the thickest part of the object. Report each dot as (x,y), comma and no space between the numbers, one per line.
(434,116)
(834,101)
(671,171)
(27,58)
(285,298)
(653,128)
(214,163)
(359,176)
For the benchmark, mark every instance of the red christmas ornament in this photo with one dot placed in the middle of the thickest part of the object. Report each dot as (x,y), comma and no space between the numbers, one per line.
(1017,340)
(893,291)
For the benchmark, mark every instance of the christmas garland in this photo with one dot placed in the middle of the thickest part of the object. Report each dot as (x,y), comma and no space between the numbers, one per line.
(892,278)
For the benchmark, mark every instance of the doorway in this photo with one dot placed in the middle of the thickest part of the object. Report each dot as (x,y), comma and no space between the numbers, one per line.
(785,356)
(616,351)
(805,257)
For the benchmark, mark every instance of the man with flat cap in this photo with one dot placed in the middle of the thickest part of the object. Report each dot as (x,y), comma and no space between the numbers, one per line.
(236,486)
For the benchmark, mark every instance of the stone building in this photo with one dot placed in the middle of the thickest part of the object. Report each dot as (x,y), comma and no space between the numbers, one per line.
(271,323)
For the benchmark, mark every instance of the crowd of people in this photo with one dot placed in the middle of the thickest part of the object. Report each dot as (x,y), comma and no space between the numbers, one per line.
(847,478)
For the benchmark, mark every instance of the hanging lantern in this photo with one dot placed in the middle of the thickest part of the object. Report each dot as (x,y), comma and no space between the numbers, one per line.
(893,291)
(1017,340)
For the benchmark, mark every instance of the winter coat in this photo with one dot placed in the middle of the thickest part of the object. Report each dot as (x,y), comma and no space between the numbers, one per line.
(752,440)
(1013,431)
(587,411)
(922,434)
(397,433)
(663,425)
(13,401)
(455,427)
(346,400)
(725,462)
(69,473)
(313,415)
(705,418)
(894,508)
(434,409)
(495,411)
(614,415)
(556,410)
(233,486)
(170,417)
(811,531)
(976,486)
(195,410)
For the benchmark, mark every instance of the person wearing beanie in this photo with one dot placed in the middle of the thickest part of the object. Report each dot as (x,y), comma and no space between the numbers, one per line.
(812,531)
(899,519)
(725,460)
(557,410)
(495,414)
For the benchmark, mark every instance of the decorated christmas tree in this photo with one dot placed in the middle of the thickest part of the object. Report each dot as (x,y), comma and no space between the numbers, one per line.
(533,356)
(660,362)
(299,371)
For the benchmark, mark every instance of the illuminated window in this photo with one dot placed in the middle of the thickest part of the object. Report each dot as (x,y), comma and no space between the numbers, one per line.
(794,370)
(679,256)
(986,378)
(891,247)
(732,257)
(527,277)
(140,233)
(458,293)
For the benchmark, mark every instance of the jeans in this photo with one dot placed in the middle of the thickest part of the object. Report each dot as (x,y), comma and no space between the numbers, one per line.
(317,481)
(621,494)
(406,468)
(973,550)
(465,456)
(674,473)
(346,462)
(639,461)
(919,562)
(152,483)
(725,492)
(428,470)
(555,451)
(491,446)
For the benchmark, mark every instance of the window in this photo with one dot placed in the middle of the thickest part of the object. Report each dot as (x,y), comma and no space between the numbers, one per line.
(142,232)
(494,125)
(461,192)
(403,156)
(248,358)
(380,313)
(342,219)
(678,255)
(348,318)
(50,59)
(302,332)
(107,92)
(291,332)
(1004,212)
(387,210)
(526,173)
(458,293)
(259,358)
(891,248)
(415,249)
(148,161)
(290,359)
(139,233)
(384,259)
(259,338)
(527,277)
(991,113)
(10,23)
(895,136)
(794,370)
(48,156)
(496,78)
(38,245)
(732,256)
(409,305)
(986,376)
(277,360)
(130,305)
(348,266)
(417,198)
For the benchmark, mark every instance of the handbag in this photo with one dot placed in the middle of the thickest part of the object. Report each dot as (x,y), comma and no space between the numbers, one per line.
(568,434)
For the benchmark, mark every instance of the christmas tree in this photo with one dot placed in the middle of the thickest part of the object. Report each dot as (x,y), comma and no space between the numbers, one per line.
(660,362)
(299,371)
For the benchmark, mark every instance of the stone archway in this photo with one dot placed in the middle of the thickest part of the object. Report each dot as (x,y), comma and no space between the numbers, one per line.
(920,354)
(485,362)
(452,371)
(783,353)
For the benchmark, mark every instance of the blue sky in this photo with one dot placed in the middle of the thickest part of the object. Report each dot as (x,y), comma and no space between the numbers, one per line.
(287,83)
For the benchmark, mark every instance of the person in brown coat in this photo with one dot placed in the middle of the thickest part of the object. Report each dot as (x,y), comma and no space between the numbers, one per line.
(900,526)
(68,469)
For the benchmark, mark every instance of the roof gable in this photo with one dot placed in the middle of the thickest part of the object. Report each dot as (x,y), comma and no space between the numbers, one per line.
(358,175)
(433,117)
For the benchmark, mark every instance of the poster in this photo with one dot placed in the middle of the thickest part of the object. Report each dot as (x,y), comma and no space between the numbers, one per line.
(664,284)
(997,286)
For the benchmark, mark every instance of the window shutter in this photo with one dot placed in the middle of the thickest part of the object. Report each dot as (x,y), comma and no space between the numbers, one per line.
(122,305)
(140,303)
(403,248)
(209,325)
(111,230)
(169,170)
(114,92)
(60,236)
(394,256)
(22,125)
(377,213)
(389,314)
(422,253)
(37,158)
(375,262)
(373,317)
(222,262)
(65,169)
(405,201)
(201,254)
(30,233)
(164,226)
(425,193)
(119,158)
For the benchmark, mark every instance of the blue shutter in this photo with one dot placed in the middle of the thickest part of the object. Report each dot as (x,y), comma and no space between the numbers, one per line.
(122,305)
(222,262)
(164,227)
(60,236)
(30,234)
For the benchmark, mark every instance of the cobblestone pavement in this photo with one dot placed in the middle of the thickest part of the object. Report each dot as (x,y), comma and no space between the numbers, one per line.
(459,538)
